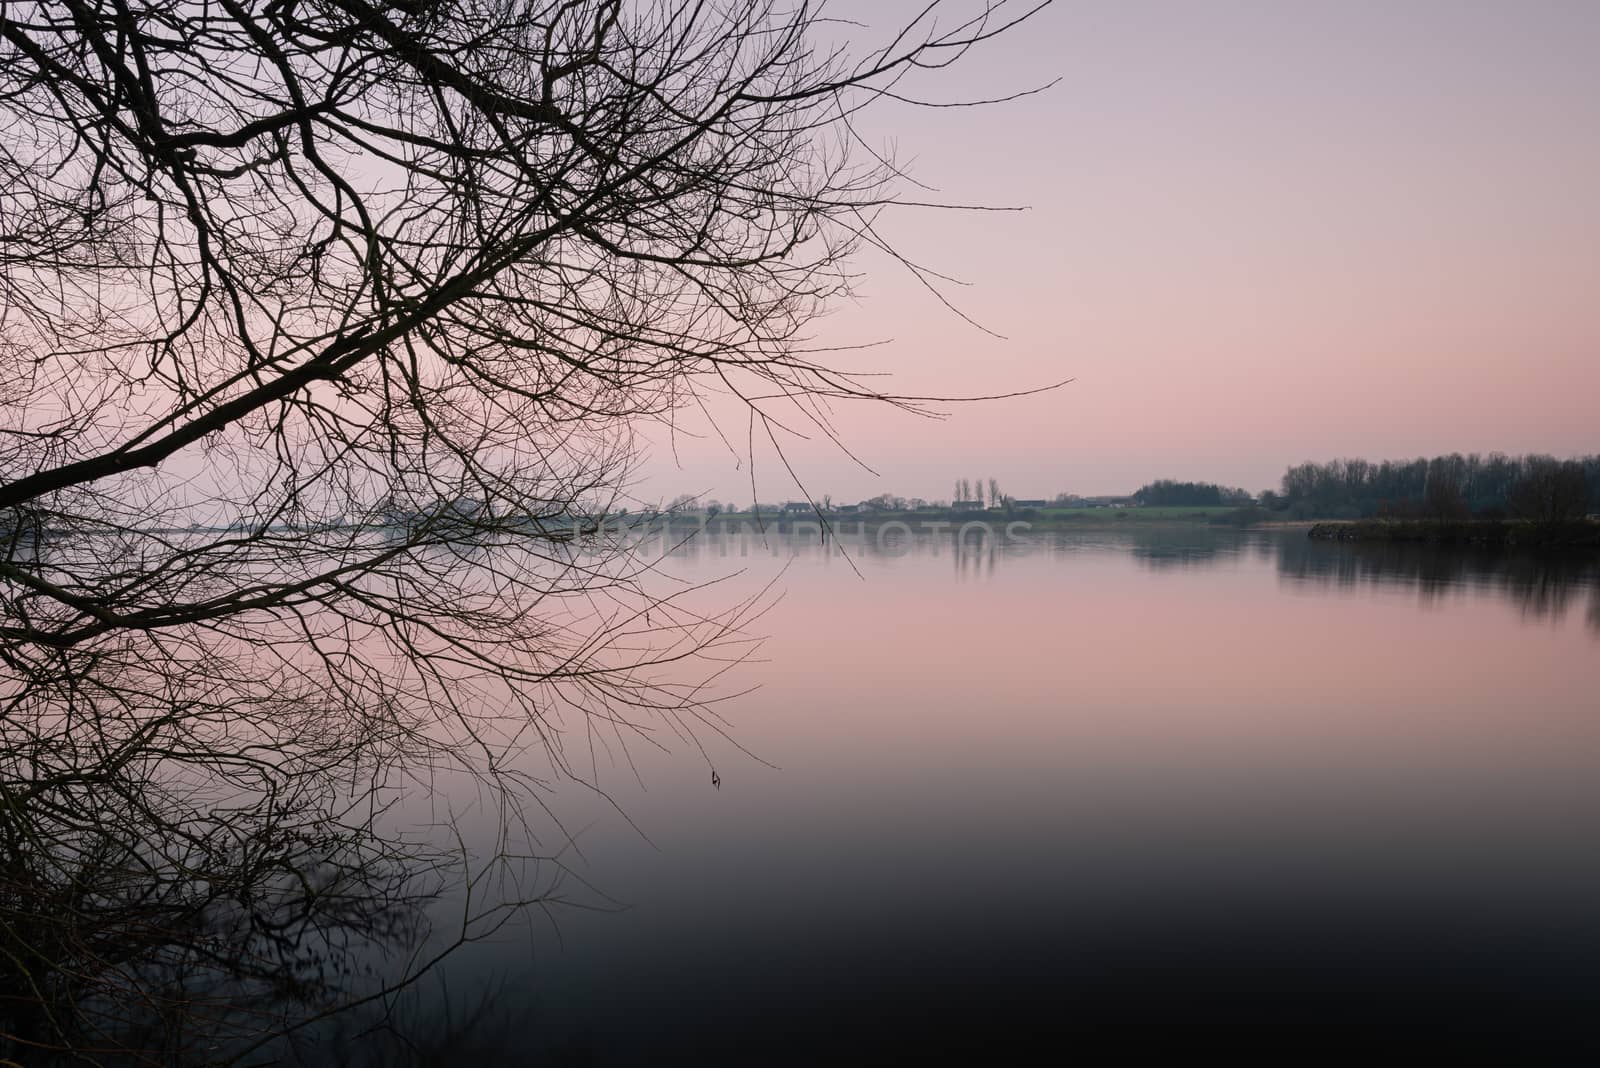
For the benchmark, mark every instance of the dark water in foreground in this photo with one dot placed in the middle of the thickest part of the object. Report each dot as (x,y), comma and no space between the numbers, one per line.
(1153,794)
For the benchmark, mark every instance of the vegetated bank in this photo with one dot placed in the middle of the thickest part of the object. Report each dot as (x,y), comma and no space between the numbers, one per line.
(1036,519)
(1492,533)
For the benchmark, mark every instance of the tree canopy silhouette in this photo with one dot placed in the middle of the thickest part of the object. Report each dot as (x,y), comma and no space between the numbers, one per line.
(323,321)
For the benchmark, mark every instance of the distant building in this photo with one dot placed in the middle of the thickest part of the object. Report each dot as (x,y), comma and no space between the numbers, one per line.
(848,509)
(796,506)
(967,506)
(1031,503)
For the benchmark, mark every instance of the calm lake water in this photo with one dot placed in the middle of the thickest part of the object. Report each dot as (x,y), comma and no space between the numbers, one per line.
(1131,791)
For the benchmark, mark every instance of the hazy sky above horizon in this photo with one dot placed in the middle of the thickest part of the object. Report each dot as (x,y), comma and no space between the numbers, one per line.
(1258,233)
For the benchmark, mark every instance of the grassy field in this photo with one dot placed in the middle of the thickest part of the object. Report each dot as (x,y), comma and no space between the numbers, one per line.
(1129,514)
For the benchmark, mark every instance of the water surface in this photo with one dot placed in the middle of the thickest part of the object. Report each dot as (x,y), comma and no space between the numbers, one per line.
(1139,791)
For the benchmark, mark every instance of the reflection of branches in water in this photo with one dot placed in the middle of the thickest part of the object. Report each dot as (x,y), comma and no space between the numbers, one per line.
(166,898)
(1432,571)
(974,552)
(1544,588)
(196,816)
(193,819)
(134,930)
(426,1026)
(1543,585)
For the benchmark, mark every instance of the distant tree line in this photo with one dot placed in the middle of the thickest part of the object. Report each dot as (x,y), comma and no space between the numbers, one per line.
(1169,494)
(1454,486)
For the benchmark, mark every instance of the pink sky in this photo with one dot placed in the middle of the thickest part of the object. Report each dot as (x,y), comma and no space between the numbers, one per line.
(1259,233)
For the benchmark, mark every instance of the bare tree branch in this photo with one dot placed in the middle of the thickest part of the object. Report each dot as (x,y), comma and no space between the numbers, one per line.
(326,330)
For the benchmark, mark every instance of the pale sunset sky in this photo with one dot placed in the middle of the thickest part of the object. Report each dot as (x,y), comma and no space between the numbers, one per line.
(1258,233)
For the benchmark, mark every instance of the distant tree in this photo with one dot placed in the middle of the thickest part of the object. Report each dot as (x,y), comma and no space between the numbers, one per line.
(1550,490)
(994,493)
(1169,494)
(1443,496)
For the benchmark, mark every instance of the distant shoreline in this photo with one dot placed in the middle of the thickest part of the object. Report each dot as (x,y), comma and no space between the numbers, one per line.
(946,519)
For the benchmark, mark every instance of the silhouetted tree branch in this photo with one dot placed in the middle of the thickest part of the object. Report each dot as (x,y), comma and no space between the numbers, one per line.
(325,324)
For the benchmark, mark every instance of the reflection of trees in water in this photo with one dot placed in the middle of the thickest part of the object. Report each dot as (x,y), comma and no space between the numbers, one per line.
(1545,588)
(969,544)
(1544,585)
(1188,546)
(1432,570)
(133,925)
(198,844)
(157,910)
(431,1025)
(975,550)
